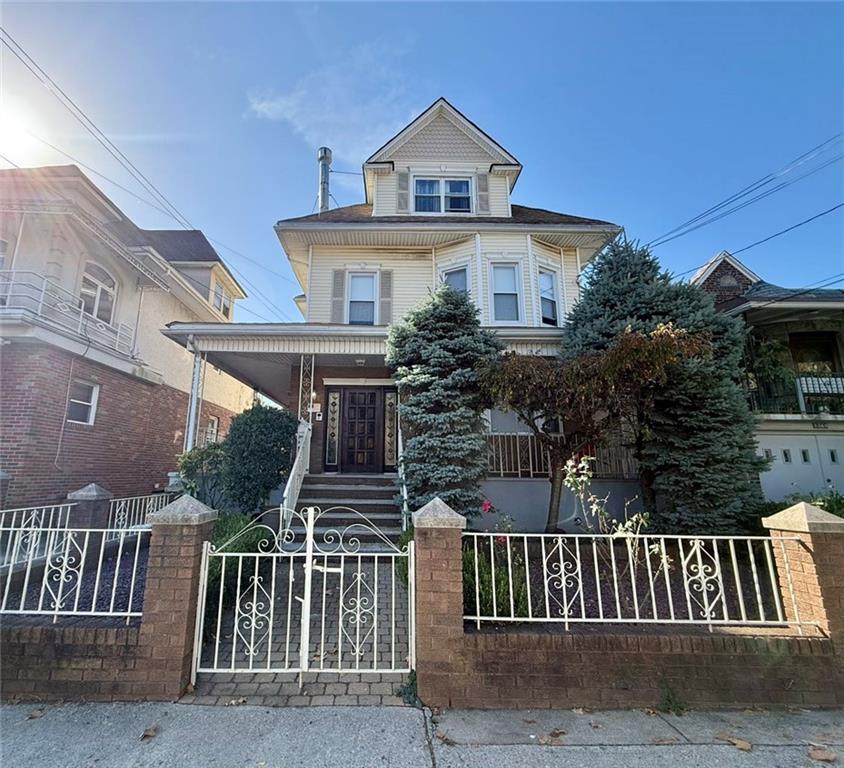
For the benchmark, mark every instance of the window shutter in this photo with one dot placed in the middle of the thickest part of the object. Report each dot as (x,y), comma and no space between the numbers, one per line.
(385,311)
(403,198)
(338,295)
(483,193)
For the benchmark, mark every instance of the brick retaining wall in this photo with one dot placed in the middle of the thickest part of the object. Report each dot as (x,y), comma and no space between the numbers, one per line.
(150,661)
(514,667)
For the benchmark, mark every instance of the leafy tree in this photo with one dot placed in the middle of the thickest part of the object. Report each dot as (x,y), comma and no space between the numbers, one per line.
(434,353)
(259,450)
(569,404)
(695,446)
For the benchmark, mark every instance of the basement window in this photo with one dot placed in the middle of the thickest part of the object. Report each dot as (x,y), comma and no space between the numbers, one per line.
(786,456)
(804,456)
(82,402)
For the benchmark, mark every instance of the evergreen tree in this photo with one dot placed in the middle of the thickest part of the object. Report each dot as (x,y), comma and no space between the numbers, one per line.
(434,353)
(696,449)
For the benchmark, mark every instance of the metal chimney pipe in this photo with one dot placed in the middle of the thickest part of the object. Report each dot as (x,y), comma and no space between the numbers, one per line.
(324,158)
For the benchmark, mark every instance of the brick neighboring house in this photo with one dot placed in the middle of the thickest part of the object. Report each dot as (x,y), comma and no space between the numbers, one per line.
(795,374)
(90,391)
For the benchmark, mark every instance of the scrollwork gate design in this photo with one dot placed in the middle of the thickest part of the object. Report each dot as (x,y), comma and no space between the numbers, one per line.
(328,591)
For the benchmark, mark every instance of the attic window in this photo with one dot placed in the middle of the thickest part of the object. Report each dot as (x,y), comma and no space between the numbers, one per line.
(222,301)
(442,196)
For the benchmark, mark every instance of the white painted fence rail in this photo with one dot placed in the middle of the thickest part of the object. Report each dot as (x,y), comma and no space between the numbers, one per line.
(74,571)
(50,516)
(132,511)
(602,579)
(519,454)
(300,467)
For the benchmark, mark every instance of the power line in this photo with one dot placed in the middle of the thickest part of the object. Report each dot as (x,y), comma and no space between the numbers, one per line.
(14,165)
(788,229)
(746,203)
(759,183)
(136,174)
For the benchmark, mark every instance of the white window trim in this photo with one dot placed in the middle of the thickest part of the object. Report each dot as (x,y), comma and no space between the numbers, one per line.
(376,294)
(555,274)
(454,267)
(215,283)
(520,290)
(442,178)
(93,279)
(95,396)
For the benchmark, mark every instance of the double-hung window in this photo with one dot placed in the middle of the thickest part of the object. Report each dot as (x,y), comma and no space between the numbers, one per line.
(442,196)
(82,402)
(505,293)
(212,430)
(98,292)
(548,298)
(222,301)
(362,299)
(457,279)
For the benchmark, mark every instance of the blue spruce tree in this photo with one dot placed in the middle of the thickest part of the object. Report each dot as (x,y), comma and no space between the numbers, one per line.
(696,450)
(434,353)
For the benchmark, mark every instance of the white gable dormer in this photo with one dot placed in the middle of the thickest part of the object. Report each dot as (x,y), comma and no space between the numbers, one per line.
(441,164)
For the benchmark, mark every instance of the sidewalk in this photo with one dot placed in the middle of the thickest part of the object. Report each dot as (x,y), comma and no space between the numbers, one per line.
(192,736)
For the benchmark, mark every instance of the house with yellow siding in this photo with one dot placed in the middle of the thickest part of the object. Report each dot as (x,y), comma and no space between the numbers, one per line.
(438,207)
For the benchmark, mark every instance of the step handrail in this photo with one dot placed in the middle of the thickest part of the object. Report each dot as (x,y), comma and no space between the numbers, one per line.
(301,465)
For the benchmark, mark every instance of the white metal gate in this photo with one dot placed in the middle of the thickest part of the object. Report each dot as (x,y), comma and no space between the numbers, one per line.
(318,590)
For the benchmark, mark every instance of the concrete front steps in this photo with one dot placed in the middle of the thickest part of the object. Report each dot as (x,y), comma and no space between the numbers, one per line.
(341,496)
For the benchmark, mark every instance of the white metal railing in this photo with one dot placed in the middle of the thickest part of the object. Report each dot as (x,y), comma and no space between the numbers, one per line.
(519,454)
(405,507)
(312,597)
(827,386)
(132,511)
(32,518)
(74,572)
(301,465)
(594,579)
(33,295)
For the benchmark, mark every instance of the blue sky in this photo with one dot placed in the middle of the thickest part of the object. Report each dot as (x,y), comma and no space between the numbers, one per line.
(642,114)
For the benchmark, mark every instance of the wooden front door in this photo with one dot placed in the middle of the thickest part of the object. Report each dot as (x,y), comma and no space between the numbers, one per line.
(362,431)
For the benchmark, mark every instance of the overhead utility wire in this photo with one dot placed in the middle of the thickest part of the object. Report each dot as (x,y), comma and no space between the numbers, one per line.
(796,162)
(788,229)
(101,137)
(722,214)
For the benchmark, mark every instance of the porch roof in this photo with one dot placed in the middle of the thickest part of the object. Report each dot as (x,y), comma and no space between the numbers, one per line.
(262,355)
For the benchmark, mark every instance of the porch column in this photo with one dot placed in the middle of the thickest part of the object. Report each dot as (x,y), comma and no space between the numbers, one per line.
(194,399)
(306,387)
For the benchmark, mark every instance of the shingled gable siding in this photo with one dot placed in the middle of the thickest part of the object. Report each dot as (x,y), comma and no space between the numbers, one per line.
(132,445)
(726,282)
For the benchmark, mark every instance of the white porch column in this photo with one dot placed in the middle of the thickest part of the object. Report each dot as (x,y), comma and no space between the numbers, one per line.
(194,399)
(306,387)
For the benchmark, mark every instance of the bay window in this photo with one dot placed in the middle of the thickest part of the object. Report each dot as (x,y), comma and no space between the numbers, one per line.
(505,293)
(457,279)
(548,298)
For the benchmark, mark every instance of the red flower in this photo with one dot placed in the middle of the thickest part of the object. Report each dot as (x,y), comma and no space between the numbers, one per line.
(487,507)
(502,540)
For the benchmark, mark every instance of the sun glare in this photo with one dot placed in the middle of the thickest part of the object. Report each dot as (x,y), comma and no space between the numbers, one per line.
(17,142)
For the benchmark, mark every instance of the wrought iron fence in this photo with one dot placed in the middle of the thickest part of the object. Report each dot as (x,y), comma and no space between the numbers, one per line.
(51,516)
(592,579)
(330,592)
(74,571)
(519,455)
(132,511)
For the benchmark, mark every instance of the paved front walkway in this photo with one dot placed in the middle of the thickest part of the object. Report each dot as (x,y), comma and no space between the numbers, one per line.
(109,736)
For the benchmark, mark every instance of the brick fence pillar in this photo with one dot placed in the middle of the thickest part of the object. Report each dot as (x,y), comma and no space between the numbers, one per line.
(179,531)
(92,507)
(439,601)
(808,545)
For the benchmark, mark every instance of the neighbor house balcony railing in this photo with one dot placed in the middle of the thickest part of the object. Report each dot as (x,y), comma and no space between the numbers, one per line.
(39,299)
(519,455)
(807,394)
